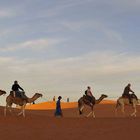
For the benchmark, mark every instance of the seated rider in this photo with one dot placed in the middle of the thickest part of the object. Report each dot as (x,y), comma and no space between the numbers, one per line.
(18,91)
(127,94)
(89,95)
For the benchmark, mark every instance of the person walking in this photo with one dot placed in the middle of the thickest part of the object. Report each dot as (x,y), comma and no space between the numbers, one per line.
(58,111)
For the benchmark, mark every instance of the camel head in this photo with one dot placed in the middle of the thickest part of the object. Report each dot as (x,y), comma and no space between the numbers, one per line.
(2,92)
(104,96)
(101,98)
(38,95)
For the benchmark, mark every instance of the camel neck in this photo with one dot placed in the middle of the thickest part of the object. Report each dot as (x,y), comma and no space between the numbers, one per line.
(30,100)
(99,100)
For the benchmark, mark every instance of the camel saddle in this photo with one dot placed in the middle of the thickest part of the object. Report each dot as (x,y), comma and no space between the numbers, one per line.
(130,97)
(89,99)
(18,95)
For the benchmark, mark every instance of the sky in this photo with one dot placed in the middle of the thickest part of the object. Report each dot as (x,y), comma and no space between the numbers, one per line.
(61,47)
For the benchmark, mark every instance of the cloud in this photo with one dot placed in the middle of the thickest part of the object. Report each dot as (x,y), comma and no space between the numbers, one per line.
(35,45)
(95,64)
(86,67)
(107,71)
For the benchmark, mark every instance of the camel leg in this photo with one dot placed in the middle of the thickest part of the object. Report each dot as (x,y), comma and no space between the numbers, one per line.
(23,111)
(81,109)
(116,109)
(9,108)
(89,114)
(93,114)
(5,109)
(122,109)
(135,111)
(20,112)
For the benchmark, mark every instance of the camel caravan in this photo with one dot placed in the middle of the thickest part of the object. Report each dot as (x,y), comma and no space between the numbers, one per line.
(126,99)
(19,98)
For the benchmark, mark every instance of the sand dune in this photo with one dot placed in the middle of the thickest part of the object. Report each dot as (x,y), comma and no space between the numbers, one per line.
(41,124)
(51,105)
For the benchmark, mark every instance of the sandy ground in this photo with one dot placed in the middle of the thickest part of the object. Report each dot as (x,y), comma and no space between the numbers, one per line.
(42,125)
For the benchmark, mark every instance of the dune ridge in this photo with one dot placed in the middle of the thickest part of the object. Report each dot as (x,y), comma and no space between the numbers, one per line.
(51,105)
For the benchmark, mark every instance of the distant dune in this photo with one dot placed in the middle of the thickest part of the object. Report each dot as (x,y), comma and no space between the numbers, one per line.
(108,102)
(52,105)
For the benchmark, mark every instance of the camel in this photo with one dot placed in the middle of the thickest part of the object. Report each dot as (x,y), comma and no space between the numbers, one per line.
(83,101)
(2,92)
(19,101)
(122,102)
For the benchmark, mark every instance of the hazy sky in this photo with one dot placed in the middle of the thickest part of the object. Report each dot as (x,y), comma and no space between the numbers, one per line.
(59,47)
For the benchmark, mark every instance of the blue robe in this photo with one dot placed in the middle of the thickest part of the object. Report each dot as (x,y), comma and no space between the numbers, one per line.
(58,111)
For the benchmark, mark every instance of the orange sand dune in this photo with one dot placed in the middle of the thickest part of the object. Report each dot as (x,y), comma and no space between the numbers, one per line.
(108,102)
(52,105)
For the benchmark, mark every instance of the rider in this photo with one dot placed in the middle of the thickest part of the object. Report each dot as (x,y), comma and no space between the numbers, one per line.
(18,91)
(89,94)
(127,94)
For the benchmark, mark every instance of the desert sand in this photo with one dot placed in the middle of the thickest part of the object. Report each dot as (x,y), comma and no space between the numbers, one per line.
(42,125)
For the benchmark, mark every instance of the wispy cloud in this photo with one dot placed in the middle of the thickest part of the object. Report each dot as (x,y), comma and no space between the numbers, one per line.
(95,66)
(98,63)
(36,45)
